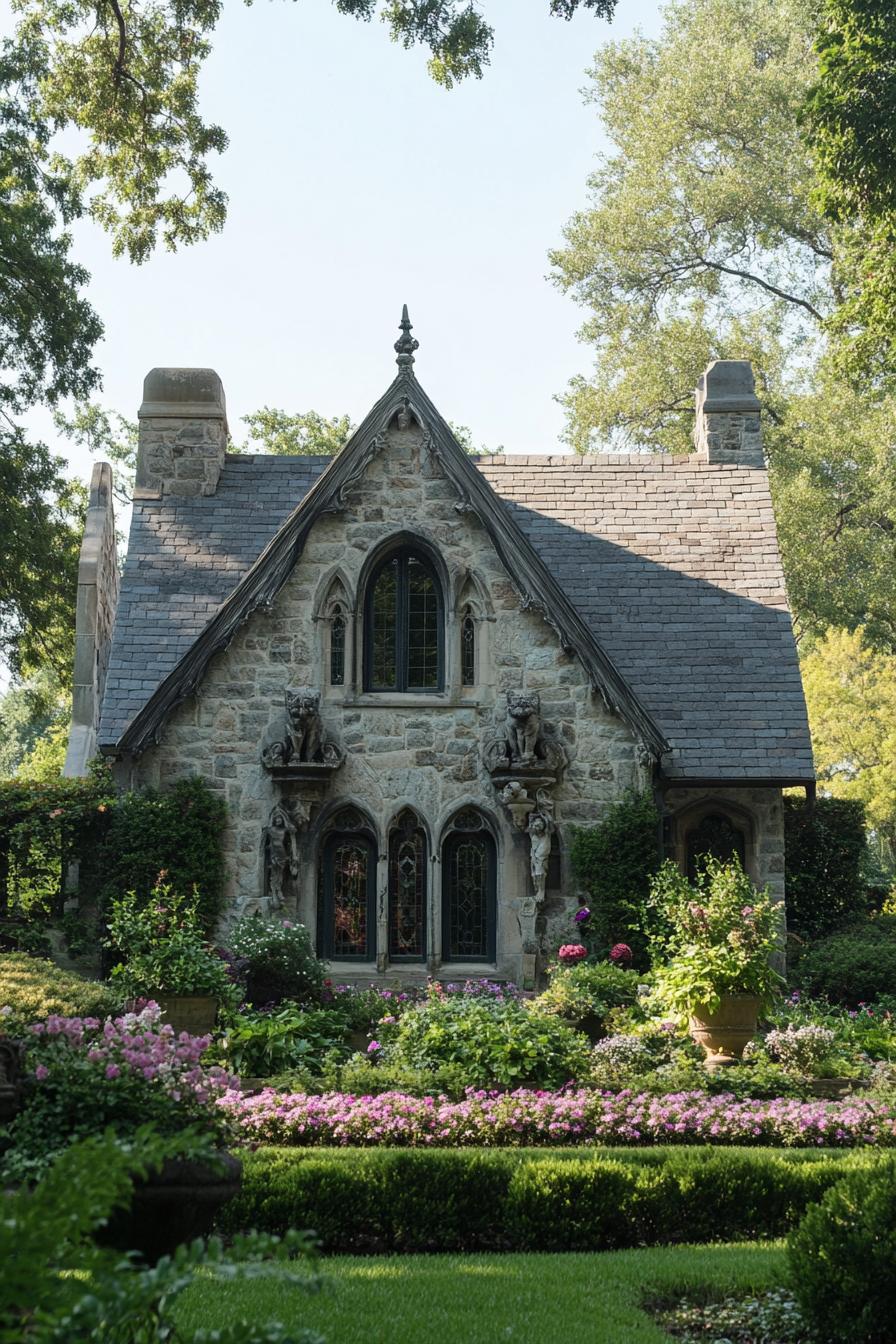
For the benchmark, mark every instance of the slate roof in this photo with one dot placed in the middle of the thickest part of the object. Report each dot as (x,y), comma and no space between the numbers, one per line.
(671,563)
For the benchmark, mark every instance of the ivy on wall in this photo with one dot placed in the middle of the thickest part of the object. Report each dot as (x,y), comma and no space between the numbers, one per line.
(614,862)
(825,849)
(119,843)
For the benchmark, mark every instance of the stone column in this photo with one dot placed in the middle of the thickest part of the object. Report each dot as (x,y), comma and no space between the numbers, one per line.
(183,433)
(95,613)
(727,429)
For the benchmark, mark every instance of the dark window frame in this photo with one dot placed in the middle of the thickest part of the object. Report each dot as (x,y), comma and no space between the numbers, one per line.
(403,555)
(452,841)
(325,913)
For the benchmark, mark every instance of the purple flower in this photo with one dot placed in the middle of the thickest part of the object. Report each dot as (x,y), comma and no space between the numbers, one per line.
(582,915)
(41,1072)
(373,1047)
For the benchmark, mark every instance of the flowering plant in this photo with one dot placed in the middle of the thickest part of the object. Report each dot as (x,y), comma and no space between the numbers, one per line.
(621,954)
(570,953)
(721,934)
(280,961)
(587,989)
(163,947)
(85,1076)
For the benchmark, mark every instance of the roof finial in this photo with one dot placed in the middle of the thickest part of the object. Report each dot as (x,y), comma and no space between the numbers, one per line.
(406,343)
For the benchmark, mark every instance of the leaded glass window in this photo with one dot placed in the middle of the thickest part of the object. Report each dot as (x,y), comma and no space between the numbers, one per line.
(403,626)
(346,898)
(468,895)
(407,889)
(714,835)
(337,647)
(468,649)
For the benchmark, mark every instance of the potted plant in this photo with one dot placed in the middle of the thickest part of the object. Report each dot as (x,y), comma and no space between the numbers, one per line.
(585,991)
(167,959)
(715,953)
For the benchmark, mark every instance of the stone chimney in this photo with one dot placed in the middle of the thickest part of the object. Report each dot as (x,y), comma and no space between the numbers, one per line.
(183,433)
(727,428)
(94,618)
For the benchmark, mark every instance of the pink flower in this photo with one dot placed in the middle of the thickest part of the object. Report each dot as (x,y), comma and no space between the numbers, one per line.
(373,1047)
(570,953)
(621,954)
(112,1070)
(41,1072)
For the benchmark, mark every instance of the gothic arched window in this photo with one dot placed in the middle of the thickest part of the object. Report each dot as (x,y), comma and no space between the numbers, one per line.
(346,922)
(337,646)
(407,889)
(403,635)
(715,834)
(468,648)
(469,882)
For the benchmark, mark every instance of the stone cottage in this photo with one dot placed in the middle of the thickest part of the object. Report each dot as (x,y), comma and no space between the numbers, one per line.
(410,671)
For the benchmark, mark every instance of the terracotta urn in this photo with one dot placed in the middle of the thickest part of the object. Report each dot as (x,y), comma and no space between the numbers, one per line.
(724,1033)
(194,1013)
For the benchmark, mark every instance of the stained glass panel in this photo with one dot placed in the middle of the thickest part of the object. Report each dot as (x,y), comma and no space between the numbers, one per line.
(468,875)
(407,890)
(384,627)
(346,907)
(468,649)
(422,628)
(337,648)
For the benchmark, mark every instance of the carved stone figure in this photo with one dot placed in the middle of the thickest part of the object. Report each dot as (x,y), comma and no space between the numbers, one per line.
(523,725)
(541,827)
(304,743)
(303,725)
(281,843)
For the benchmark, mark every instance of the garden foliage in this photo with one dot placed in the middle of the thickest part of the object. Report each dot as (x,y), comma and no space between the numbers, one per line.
(614,862)
(32,989)
(825,847)
(843,1258)
(855,966)
(163,946)
(588,989)
(523,1200)
(279,960)
(79,1293)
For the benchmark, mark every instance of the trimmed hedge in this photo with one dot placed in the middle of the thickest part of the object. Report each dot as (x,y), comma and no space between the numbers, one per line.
(387,1200)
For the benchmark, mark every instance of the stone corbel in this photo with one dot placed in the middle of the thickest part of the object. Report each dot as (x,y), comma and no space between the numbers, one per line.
(304,753)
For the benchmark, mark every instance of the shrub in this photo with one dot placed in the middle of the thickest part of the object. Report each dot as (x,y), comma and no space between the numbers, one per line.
(164,948)
(800,1049)
(84,1076)
(614,862)
(263,1044)
(842,1258)
(35,989)
(522,1200)
(853,967)
(588,989)
(825,848)
(494,1041)
(280,961)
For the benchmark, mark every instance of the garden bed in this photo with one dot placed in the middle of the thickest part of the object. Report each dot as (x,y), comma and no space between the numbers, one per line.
(570,1116)
(386,1200)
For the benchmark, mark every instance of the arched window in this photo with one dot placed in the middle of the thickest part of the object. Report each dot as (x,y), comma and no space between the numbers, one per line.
(469,873)
(467,648)
(346,922)
(403,626)
(407,889)
(337,646)
(715,834)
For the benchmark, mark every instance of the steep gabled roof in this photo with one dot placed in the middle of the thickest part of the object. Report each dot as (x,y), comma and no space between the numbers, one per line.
(261,582)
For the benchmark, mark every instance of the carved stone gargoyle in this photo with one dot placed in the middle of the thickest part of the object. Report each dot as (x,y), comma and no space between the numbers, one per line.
(527,746)
(304,744)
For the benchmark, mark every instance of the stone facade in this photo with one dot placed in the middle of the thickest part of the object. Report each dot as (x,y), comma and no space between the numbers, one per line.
(604,624)
(421,751)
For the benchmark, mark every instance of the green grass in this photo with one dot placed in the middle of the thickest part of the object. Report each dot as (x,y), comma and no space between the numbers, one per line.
(485,1299)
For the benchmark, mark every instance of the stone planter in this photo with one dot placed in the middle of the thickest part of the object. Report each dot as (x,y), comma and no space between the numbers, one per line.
(724,1033)
(834,1089)
(193,1013)
(173,1205)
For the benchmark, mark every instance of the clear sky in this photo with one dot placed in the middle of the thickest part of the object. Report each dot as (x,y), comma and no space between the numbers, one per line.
(356,185)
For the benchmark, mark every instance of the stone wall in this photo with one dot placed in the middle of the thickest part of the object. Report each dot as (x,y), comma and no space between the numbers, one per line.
(422,751)
(98,582)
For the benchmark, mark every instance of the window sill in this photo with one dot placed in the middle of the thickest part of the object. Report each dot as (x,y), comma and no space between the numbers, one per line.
(410,700)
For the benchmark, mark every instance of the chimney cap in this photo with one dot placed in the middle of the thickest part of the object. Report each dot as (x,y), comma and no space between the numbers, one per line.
(727,385)
(188,393)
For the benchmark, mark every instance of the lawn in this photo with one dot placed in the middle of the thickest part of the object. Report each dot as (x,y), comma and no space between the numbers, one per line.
(481,1299)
